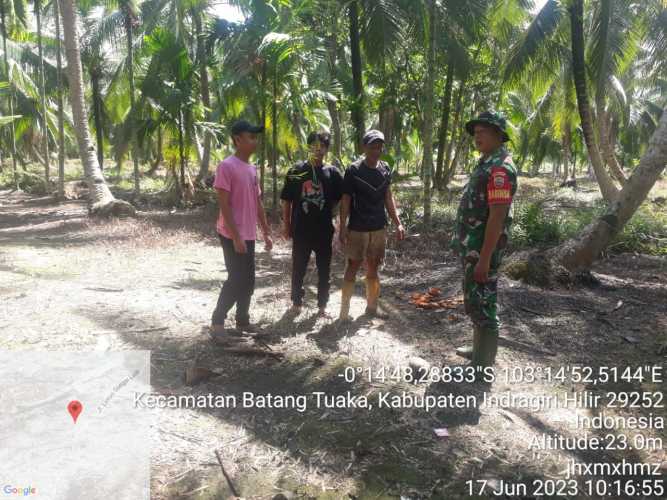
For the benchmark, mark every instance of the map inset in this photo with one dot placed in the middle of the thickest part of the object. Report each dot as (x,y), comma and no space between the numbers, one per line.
(69,428)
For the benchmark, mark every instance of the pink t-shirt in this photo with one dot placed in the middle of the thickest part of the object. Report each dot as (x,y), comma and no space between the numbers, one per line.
(240,180)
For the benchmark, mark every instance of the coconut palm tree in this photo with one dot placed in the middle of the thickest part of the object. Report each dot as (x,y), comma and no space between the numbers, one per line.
(98,64)
(18,18)
(555,41)
(59,99)
(127,18)
(168,85)
(42,91)
(357,107)
(576,12)
(431,21)
(101,200)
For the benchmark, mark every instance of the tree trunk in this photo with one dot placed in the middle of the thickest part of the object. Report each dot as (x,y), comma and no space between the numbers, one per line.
(455,138)
(61,107)
(567,145)
(358,119)
(97,118)
(159,156)
(264,153)
(205,94)
(444,124)
(428,113)
(274,151)
(129,21)
(181,152)
(334,112)
(605,145)
(199,150)
(101,201)
(10,94)
(42,93)
(458,154)
(578,254)
(263,146)
(335,127)
(607,187)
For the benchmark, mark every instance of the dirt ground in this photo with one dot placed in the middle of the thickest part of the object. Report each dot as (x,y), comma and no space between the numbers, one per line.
(71,283)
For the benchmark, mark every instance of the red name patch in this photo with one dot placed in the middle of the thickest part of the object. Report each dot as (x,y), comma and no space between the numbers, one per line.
(499,189)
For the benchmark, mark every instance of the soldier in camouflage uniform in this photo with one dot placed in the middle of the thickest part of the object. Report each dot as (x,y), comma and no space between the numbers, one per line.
(482,228)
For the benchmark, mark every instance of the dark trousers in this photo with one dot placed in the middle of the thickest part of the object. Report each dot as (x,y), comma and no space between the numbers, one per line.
(240,283)
(303,245)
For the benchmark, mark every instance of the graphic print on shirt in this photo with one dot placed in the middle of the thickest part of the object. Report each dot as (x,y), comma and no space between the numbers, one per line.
(311,193)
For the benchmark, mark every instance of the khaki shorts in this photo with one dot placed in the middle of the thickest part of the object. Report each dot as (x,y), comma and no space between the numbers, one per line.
(366,245)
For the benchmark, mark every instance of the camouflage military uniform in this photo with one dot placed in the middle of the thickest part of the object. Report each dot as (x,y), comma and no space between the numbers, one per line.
(492,181)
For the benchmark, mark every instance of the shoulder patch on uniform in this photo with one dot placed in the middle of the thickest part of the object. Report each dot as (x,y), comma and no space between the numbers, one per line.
(499,189)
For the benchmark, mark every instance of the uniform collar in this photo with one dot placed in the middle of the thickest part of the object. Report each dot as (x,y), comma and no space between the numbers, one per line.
(499,152)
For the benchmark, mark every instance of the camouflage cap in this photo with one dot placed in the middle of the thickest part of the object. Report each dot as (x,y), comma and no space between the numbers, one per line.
(489,118)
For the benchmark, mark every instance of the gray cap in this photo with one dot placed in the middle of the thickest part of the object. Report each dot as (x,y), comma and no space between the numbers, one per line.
(372,136)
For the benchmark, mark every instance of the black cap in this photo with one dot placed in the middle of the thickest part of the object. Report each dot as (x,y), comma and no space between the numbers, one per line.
(243,126)
(372,136)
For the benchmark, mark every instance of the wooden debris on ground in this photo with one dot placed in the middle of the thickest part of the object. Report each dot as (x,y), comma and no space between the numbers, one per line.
(224,473)
(104,289)
(433,299)
(196,374)
(253,351)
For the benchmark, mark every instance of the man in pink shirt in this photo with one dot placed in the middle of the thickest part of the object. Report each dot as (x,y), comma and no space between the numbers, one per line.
(240,210)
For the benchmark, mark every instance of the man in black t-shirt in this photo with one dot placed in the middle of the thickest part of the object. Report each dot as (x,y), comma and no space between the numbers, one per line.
(310,197)
(366,195)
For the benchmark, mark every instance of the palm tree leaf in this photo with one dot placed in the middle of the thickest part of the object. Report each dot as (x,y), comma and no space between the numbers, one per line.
(614,41)
(382,30)
(532,45)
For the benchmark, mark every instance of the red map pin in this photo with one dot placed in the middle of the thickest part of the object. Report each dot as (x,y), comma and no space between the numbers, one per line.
(74,408)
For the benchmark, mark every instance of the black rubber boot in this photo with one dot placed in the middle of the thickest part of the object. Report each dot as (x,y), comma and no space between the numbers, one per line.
(466,351)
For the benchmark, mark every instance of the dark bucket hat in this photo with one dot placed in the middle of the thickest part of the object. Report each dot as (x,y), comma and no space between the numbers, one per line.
(489,118)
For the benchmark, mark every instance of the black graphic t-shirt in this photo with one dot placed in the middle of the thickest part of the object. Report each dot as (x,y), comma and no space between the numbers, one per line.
(314,193)
(367,187)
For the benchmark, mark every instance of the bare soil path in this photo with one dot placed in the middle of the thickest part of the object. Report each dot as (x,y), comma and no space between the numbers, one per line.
(70,283)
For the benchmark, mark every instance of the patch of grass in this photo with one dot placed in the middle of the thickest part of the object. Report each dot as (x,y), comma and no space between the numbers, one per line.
(31,178)
(533,226)
(645,233)
(411,209)
(146,184)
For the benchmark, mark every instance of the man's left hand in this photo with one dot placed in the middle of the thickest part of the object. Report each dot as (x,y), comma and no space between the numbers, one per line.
(481,271)
(400,232)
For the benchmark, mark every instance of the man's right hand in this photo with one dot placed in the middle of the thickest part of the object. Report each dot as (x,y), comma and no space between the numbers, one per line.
(342,235)
(239,246)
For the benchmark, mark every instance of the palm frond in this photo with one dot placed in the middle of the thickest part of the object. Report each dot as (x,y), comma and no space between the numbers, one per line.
(614,41)
(533,45)
(382,29)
